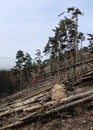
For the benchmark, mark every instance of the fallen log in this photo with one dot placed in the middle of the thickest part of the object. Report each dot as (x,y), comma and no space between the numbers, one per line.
(23,99)
(53,103)
(23,105)
(88,73)
(77,96)
(62,101)
(30,100)
(83,79)
(37,115)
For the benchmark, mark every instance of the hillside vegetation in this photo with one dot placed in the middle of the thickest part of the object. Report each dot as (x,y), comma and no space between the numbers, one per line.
(53,93)
(66,47)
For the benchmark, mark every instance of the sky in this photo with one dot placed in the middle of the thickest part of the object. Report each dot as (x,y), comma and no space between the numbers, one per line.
(27,24)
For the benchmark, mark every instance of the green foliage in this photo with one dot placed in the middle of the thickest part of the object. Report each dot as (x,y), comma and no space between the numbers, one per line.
(19,65)
(38,61)
(66,37)
(28,68)
(20,60)
(23,67)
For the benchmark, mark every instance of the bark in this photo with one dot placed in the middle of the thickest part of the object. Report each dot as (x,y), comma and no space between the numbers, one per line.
(23,105)
(27,107)
(35,116)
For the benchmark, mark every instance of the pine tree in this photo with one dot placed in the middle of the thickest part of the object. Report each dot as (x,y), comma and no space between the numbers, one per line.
(20,65)
(38,60)
(28,68)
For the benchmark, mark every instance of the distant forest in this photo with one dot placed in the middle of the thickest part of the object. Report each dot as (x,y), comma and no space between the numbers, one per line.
(66,47)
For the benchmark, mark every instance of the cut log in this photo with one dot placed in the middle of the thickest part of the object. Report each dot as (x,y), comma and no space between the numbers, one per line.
(58,92)
(21,106)
(36,115)
(67,99)
(31,96)
(77,96)
(53,103)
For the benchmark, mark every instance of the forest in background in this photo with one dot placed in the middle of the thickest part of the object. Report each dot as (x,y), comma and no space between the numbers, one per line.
(66,47)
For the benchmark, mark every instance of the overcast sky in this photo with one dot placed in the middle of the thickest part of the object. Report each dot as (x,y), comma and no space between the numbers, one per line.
(27,24)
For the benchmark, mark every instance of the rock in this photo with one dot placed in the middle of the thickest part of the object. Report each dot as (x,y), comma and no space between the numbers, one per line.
(58,92)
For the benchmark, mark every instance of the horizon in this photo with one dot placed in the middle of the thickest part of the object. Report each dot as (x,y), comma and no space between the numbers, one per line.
(6,63)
